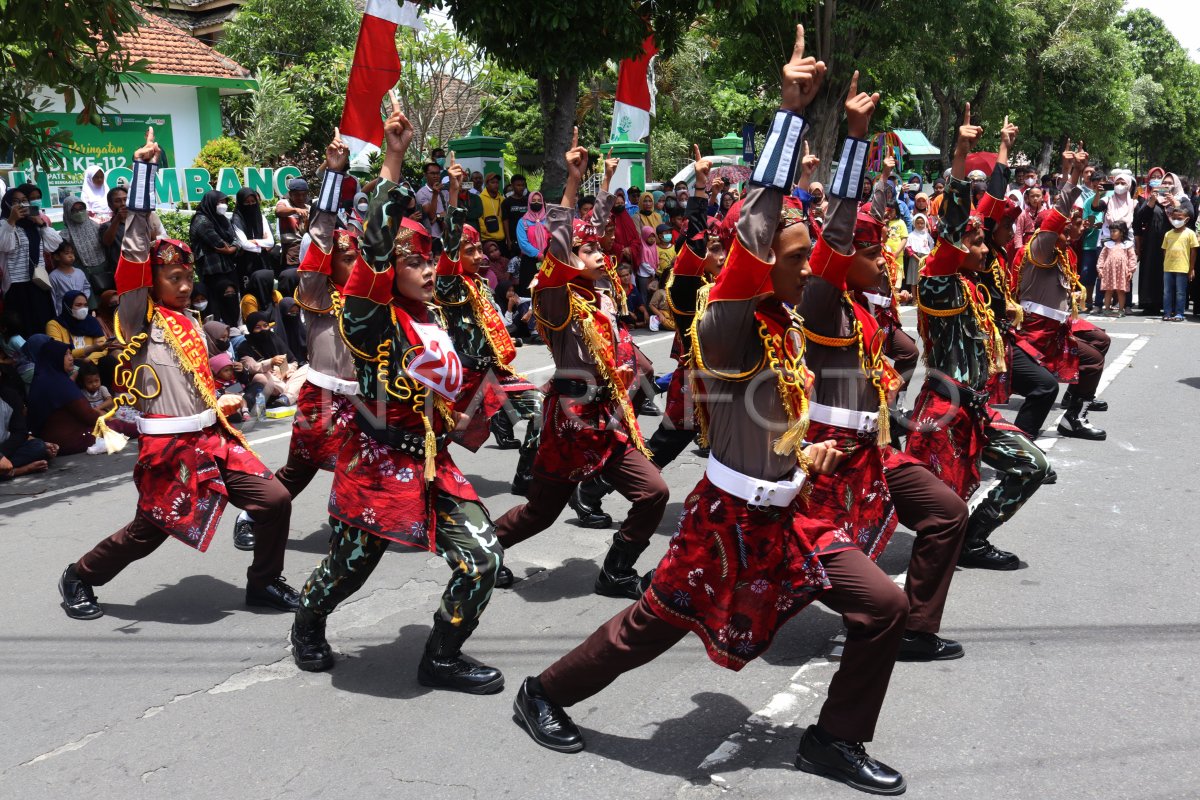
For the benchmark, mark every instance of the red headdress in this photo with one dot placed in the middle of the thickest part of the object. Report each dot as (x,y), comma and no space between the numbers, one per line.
(412,239)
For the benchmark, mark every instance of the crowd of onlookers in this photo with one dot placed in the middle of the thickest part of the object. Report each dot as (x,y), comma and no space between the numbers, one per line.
(58,339)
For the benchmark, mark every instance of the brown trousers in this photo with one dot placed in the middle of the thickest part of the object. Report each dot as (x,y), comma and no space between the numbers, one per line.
(1093,348)
(633,476)
(265,499)
(873,609)
(296,475)
(939,517)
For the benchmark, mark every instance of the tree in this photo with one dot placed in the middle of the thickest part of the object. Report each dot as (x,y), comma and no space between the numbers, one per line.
(275,34)
(559,43)
(277,119)
(68,49)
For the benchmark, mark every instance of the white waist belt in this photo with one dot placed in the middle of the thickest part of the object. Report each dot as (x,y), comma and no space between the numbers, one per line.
(861,421)
(878,299)
(1045,311)
(164,425)
(754,491)
(331,383)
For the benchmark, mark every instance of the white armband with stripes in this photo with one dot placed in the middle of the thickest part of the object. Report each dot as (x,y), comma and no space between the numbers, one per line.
(331,191)
(776,166)
(142,196)
(847,183)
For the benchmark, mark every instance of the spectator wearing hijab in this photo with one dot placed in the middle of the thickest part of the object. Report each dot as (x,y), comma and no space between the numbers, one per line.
(58,411)
(106,312)
(83,233)
(627,239)
(253,234)
(23,236)
(1151,223)
(20,452)
(266,354)
(226,302)
(65,277)
(261,296)
(82,332)
(295,335)
(532,237)
(94,194)
(213,241)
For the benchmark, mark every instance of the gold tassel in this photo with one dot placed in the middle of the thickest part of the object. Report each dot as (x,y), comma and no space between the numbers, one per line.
(430,450)
(792,440)
(885,423)
(114,442)
(596,346)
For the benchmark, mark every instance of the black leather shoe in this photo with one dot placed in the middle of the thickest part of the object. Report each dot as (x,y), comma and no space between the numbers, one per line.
(520,485)
(917,646)
(276,594)
(617,577)
(78,599)
(243,534)
(1097,405)
(1051,477)
(648,409)
(547,723)
(443,667)
(310,650)
(505,578)
(588,517)
(848,762)
(1075,423)
(985,555)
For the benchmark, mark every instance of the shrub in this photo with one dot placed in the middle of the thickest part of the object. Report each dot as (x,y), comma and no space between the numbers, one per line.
(222,152)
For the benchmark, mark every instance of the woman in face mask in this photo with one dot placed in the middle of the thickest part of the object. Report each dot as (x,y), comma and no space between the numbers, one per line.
(226,302)
(357,218)
(199,301)
(95,194)
(1151,223)
(75,326)
(253,233)
(84,233)
(213,240)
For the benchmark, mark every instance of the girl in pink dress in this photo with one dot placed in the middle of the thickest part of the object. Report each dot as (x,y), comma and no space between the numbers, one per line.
(1117,264)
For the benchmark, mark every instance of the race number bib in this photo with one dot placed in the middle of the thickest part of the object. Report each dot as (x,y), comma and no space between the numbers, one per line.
(437,366)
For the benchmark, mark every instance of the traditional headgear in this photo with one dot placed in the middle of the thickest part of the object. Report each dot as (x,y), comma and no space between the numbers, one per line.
(345,241)
(981,162)
(996,208)
(470,234)
(728,227)
(583,233)
(412,239)
(169,253)
(868,231)
(792,213)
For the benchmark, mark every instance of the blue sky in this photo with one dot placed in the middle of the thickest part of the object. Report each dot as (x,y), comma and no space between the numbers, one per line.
(1182,18)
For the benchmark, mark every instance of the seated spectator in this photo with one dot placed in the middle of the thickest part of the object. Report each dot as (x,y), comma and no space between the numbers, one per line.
(226,302)
(634,300)
(518,314)
(253,234)
(226,373)
(199,301)
(83,233)
(58,411)
(261,296)
(106,311)
(264,353)
(494,268)
(295,336)
(65,277)
(87,378)
(12,346)
(660,311)
(20,452)
(79,329)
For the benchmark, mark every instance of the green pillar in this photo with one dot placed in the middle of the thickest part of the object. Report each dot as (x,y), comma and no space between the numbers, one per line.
(208,103)
(477,152)
(632,169)
(728,145)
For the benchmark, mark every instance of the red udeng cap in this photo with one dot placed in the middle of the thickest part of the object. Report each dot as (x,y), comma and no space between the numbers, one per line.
(412,239)
(984,162)
(1053,220)
(867,229)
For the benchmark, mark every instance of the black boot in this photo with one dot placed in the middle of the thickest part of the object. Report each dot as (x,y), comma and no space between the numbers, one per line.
(1075,423)
(443,666)
(618,578)
(585,502)
(504,578)
(502,427)
(78,599)
(523,477)
(848,762)
(310,650)
(977,552)
(546,721)
(917,646)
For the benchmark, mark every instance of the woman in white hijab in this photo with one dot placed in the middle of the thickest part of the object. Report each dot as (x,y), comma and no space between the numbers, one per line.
(1121,202)
(95,194)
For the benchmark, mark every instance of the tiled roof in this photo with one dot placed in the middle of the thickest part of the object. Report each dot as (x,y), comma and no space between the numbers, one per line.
(193,20)
(172,51)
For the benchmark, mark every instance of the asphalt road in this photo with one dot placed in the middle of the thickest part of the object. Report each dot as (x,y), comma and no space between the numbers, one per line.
(1079,679)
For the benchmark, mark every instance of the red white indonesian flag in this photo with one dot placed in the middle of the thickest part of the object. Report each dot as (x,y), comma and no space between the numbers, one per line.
(375,70)
(635,95)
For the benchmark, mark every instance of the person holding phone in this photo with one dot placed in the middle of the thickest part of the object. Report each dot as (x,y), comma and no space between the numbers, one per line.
(24,234)
(1151,223)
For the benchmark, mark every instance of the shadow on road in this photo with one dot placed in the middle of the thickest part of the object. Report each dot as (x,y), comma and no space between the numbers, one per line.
(385,670)
(195,600)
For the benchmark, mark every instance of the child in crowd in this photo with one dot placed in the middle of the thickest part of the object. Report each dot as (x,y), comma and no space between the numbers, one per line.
(65,278)
(665,240)
(916,249)
(634,300)
(225,374)
(1117,264)
(88,379)
(660,311)
(1179,264)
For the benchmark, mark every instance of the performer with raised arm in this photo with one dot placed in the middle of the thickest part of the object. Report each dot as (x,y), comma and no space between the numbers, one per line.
(324,419)
(745,558)
(877,485)
(954,427)
(589,422)
(1051,294)
(394,480)
(492,392)
(191,460)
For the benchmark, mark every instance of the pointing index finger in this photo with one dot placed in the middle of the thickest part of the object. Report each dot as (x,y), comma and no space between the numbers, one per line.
(150,135)
(798,48)
(854,84)
(695,152)
(395,101)
(967,114)
(574,137)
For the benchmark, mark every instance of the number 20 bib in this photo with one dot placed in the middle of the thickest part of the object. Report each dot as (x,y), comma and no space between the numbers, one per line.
(436,365)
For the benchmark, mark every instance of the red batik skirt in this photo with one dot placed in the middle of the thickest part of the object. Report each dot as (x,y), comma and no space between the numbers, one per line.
(180,483)
(324,422)
(855,498)
(483,395)
(734,575)
(1056,348)
(577,438)
(383,491)
(681,405)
